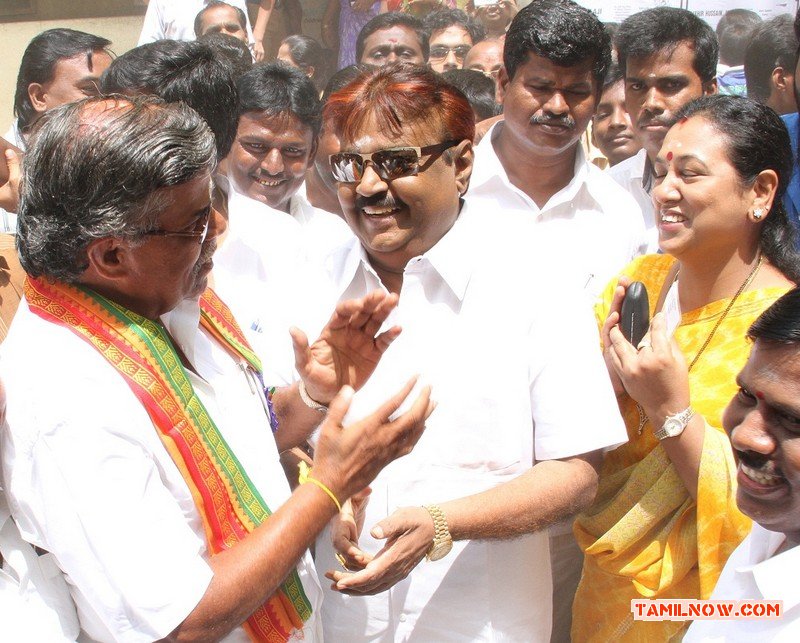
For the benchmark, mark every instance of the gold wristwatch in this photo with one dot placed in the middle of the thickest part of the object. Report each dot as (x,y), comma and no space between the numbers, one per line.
(442,540)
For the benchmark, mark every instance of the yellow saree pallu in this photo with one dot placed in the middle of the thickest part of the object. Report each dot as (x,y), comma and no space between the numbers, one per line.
(142,352)
(644,536)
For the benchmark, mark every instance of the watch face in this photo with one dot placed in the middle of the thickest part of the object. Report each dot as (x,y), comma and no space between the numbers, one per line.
(673,427)
(440,550)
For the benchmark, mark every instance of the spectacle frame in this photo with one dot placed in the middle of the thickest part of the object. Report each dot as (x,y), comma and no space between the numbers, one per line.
(349,167)
(440,52)
(199,231)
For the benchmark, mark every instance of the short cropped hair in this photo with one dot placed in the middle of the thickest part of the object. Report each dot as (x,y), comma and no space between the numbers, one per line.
(478,89)
(773,44)
(734,31)
(192,72)
(39,63)
(95,169)
(398,95)
(444,18)
(277,88)
(388,20)
(233,49)
(198,20)
(780,323)
(664,29)
(560,31)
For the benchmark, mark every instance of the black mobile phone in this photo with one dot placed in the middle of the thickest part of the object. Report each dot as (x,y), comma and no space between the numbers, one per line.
(635,316)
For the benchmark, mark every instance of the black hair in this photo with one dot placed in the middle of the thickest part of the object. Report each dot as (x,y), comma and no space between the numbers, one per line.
(306,53)
(277,88)
(757,140)
(387,21)
(444,18)
(39,63)
(192,72)
(478,89)
(613,76)
(734,31)
(773,45)
(233,49)
(198,19)
(561,31)
(780,323)
(666,28)
(343,77)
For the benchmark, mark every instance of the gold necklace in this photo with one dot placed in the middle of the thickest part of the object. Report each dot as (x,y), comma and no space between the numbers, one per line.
(642,415)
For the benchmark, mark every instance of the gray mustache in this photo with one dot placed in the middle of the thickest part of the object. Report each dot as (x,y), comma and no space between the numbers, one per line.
(562,121)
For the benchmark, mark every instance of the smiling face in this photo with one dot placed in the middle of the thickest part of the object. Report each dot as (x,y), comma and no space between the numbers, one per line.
(496,16)
(701,205)
(397,220)
(763,423)
(223,19)
(395,44)
(270,156)
(611,126)
(547,107)
(656,87)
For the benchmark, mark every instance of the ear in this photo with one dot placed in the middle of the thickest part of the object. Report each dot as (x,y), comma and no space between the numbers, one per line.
(763,192)
(463,157)
(778,78)
(309,71)
(502,84)
(710,87)
(108,259)
(313,153)
(36,94)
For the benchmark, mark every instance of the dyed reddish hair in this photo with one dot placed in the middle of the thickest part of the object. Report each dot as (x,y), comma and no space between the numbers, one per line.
(399,95)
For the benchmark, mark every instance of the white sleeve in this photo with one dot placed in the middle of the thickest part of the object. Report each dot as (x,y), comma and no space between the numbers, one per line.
(153,26)
(85,483)
(574,407)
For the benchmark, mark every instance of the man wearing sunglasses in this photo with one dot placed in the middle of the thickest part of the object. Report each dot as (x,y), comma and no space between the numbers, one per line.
(532,166)
(146,461)
(452,33)
(469,498)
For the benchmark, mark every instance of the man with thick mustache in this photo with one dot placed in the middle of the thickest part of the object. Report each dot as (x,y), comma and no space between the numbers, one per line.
(507,453)
(531,168)
(763,423)
(669,58)
(146,462)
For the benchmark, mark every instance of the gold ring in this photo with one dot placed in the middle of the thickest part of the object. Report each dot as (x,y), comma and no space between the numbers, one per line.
(342,561)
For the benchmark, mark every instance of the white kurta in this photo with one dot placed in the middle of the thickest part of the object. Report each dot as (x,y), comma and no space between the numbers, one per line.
(590,227)
(90,481)
(518,378)
(754,573)
(630,176)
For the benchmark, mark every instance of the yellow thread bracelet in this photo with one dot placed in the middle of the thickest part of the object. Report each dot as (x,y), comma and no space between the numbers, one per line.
(305,476)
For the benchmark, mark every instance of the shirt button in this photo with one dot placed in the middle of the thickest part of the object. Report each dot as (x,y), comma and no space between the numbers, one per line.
(402,618)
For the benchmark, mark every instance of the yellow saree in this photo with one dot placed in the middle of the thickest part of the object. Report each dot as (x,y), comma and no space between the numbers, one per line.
(644,536)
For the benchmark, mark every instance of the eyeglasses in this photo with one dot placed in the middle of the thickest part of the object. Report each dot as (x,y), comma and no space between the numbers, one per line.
(199,230)
(440,52)
(348,167)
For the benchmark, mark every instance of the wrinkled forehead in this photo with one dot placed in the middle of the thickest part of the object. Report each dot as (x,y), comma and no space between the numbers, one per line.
(373,133)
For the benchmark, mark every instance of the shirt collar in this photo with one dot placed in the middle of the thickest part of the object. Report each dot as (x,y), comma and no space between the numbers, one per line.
(451,257)
(489,168)
(770,575)
(182,323)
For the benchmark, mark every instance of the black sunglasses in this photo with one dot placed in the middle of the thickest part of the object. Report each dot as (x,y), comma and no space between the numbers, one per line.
(348,167)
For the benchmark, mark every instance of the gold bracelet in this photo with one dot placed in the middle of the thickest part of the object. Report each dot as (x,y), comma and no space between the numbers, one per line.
(305,476)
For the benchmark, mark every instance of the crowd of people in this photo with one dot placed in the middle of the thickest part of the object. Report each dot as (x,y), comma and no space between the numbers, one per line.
(348,345)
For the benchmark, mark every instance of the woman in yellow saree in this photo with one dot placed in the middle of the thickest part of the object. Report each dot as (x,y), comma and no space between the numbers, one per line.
(665,519)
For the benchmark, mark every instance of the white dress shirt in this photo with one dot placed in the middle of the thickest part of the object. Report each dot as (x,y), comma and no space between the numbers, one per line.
(90,481)
(590,226)
(322,230)
(630,175)
(755,572)
(35,604)
(174,19)
(518,378)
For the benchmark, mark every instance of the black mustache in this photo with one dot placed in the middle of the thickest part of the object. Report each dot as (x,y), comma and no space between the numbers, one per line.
(384,200)
(653,120)
(758,462)
(561,121)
